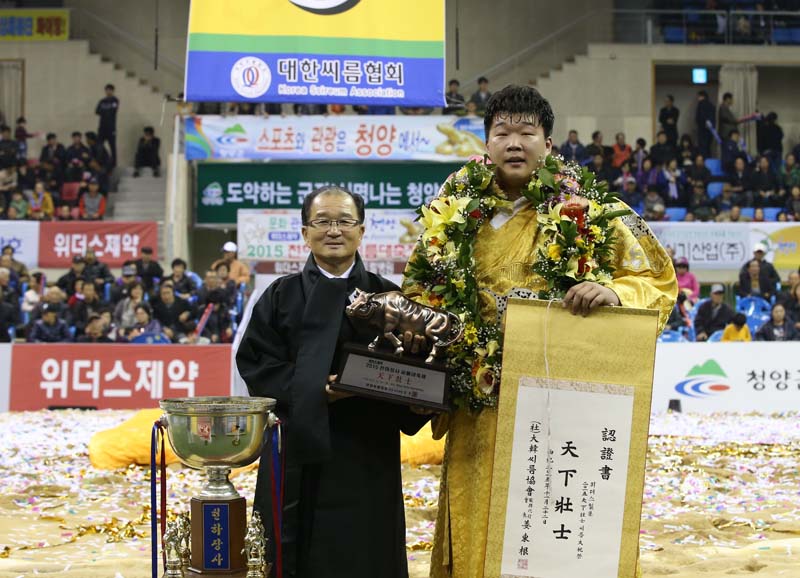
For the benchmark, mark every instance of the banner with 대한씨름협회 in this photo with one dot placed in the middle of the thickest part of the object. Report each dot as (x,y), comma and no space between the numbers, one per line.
(367,52)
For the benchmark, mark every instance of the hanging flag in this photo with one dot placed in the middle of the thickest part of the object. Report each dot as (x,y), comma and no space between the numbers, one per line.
(371,52)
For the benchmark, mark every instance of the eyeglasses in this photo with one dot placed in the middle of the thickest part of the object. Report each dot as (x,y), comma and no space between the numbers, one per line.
(341,224)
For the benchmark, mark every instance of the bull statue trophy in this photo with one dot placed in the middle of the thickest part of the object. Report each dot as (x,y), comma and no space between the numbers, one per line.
(395,375)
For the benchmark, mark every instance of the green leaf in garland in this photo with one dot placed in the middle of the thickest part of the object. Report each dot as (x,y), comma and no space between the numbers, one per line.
(547,178)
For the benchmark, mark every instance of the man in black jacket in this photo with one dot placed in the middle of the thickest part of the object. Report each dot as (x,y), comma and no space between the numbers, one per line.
(706,113)
(712,315)
(148,270)
(107,110)
(67,281)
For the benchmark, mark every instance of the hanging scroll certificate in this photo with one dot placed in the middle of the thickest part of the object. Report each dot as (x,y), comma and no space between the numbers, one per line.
(571,442)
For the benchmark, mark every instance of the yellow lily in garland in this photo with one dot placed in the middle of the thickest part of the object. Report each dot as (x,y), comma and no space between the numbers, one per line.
(442,212)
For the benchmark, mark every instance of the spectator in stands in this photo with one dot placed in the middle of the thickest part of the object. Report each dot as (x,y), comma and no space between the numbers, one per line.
(183,285)
(92,206)
(14,281)
(674,184)
(50,328)
(700,205)
(454,99)
(624,174)
(218,325)
(174,313)
(596,147)
(752,284)
(689,217)
(122,288)
(725,203)
(653,205)
(87,304)
(9,149)
(34,293)
(765,186)
(210,283)
(78,157)
(8,320)
(639,154)
(144,322)
(107,110)
(712,315)
(679,318)
(8,183)
(310,109)
(53,296)
(769,275)
(8,293)
(22,135)
(647,177)
(730,150)
(601,171)
(95,331)
(786,296)
(631,194)
(17,266)
(758,215)
(147,153)
(741,183)
(728,122)
(663,151)
(698,172)
(792,306)
(52,161)
(481,96)
(789,173)
(668,118)
(622,151)
(737,329)
(793,202)
(228,285)
(65,213)
(148,270)
(100,163)
(572,149)
(3,205)
(687,152)
(41,203)
(96,271)
(125,311)
(705,116)
(67,281)
(782,217)
(687,282)
(19,205)
(770,139)
(239,272)
(778,328)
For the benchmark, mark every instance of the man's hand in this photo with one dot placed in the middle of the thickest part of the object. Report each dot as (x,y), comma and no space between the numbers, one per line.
(701,336)
(335,395)
(584,297)
(184,317)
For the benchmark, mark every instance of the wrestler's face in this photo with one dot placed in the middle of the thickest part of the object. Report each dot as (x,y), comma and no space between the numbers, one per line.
(516,144)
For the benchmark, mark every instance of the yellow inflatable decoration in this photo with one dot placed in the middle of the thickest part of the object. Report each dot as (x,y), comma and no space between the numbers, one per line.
(129,443)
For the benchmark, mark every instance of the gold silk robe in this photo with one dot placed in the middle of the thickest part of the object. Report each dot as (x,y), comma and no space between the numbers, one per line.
(644,278)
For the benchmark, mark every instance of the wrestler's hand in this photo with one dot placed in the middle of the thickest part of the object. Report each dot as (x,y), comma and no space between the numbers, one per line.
(335,395)
(414,344)
(584,297)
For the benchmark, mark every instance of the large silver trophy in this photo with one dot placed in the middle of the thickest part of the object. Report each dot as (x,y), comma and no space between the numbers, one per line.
(217,434)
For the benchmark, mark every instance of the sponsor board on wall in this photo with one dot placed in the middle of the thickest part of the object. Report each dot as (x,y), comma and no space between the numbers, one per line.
(334,138)
(728,377)
(37,25)
(5,375)
(115,376)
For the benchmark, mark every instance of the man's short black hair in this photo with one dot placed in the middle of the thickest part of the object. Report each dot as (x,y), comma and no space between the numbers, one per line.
(573,131)
(110,86)
(51,135)
(595,134)
(733,132)
(726,96)
(4,128)
(77,133)
(21,120)
(670,98)
(641,142)
(739,319)
(659,133)
(179,261)
(147,250)
(454,81)
(358,200)
(91,135)
(5,248)
(483,79)
(149,130)
(519,101)
(702,93)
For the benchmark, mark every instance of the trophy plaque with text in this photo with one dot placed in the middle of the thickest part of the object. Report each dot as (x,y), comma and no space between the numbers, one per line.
(383,369)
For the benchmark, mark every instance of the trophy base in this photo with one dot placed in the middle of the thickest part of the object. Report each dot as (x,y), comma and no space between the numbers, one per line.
(403,380)
(218,531)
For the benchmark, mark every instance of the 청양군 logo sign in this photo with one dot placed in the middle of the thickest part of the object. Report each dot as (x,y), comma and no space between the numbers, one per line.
(325,7)
(213,195)
(703,381)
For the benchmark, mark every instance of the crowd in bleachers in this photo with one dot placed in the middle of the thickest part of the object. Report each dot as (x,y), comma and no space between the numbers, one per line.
(71,182)
(680,180)
(87,304)
(765,309)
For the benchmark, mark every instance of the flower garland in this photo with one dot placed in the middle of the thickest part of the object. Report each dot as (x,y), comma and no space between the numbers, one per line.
(574,216)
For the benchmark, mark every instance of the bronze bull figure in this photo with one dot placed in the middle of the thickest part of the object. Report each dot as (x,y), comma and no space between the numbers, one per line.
(393,314)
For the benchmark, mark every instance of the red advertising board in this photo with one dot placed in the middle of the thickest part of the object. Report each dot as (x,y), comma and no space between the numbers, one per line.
(114,242)
(115,376)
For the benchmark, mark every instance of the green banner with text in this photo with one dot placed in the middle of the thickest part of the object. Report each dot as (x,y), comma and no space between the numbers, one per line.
(223,188)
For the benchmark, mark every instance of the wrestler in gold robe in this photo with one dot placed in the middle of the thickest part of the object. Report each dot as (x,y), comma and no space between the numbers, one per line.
(505,249)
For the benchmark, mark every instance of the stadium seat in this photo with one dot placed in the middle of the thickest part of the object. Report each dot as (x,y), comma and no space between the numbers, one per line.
(714,190)
(748,212)
(151,339)
(782,36)
(198,282)
(671,336)
(676,213)
(753,306)
(715,166)
(771,213)
(754,323)
(693,312)
(716,336)
(70,192)
(674,35)
(795,35)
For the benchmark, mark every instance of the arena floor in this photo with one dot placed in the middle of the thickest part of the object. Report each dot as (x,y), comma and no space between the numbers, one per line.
(721,498)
